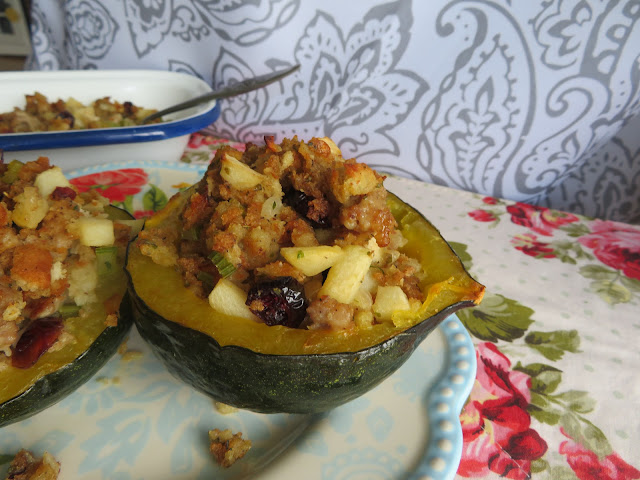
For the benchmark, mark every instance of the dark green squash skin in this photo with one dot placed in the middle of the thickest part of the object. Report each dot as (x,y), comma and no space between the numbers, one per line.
(54,386)
(263,383)
(269,383)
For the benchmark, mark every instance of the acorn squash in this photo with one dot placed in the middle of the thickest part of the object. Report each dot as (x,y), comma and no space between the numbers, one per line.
(27,391)
(270,369)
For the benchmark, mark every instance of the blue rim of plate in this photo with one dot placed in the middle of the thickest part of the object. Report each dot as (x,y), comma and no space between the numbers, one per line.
(444,403)
(447,395)
(109,136)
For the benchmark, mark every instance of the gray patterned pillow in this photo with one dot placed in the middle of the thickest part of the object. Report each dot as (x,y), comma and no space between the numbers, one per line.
(531,101)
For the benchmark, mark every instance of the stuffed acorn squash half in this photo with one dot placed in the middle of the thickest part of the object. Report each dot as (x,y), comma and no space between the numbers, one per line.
(289,280)
(61,310)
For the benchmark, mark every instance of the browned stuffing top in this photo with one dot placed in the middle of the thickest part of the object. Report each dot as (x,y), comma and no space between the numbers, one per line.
(262,218)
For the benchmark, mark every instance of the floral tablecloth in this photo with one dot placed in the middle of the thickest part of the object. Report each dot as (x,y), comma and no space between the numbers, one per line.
(557,392)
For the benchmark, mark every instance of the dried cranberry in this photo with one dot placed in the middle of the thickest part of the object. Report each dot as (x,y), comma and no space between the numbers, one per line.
(35,341)
(278,301)
(63,192)
(128,108)
(302,203)
(64,115)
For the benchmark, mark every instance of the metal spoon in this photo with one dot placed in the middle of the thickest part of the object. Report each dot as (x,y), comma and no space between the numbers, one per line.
(239,88)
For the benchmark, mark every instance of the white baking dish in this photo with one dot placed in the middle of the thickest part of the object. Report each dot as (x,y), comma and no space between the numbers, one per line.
(81,148)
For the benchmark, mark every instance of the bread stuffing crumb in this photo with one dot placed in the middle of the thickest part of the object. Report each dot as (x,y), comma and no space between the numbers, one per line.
(122,349)
(225,409)
(227,447)
(131,355)
(25,466)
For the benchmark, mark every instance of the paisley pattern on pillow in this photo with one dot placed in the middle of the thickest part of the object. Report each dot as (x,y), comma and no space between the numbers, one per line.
(530,101)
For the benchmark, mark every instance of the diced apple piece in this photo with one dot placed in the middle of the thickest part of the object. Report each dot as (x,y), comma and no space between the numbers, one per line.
(229,299)
(239,175)
(46,182)
(96,232)
(369,283)
(30,208)
(374,249)
(346,275)
(335,150)
(271,207)
(362,299)
(389,299)
(353,180)
(312,260)
(287,159)
(363,319)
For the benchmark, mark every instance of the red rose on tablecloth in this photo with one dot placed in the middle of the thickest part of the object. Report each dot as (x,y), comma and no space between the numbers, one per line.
(490,200)
(197,140)
(496,427)
(539,219)
(482,216)
(116,185)
(616,245)
(587,466)
(528,243)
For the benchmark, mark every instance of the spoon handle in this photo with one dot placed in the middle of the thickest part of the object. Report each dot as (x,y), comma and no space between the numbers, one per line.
(238,88)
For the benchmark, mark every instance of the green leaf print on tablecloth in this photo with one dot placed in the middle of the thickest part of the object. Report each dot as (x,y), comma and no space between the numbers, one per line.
(500,319)
(565,409)
(611,285)
(553,345)
(607,254)
(497,318)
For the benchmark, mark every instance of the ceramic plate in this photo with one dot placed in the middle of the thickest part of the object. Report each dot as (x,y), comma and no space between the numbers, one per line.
(134,420)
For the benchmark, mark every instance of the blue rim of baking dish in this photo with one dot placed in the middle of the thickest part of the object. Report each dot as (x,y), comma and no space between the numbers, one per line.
(109,136)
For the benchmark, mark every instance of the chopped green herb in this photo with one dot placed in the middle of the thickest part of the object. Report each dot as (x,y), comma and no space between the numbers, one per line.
(107,260)
(11,173)
(300,254)
(191,234)
(274,205)
(70,310)
(224,266)
(206,278)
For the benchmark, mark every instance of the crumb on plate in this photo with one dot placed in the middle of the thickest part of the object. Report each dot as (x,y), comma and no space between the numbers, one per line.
(227,447)
(25,466)
(225,409)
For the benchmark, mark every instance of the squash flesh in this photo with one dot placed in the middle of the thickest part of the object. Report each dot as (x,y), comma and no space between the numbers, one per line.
(446,278)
